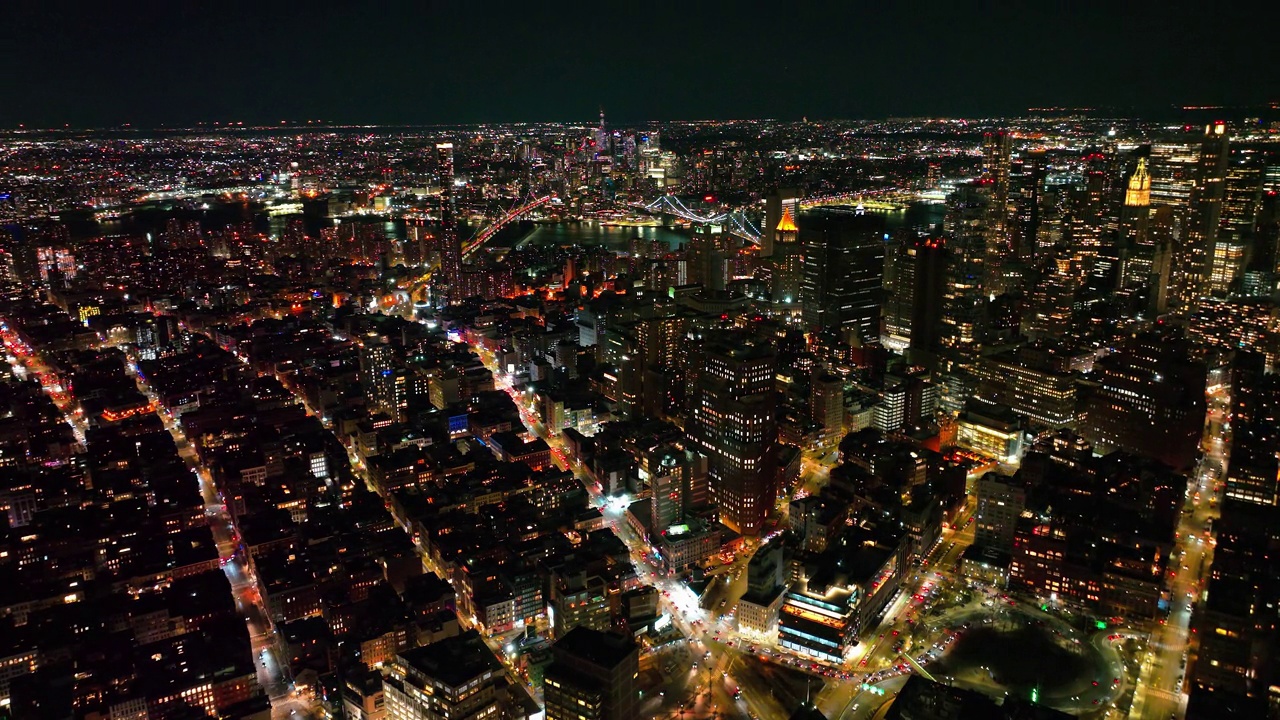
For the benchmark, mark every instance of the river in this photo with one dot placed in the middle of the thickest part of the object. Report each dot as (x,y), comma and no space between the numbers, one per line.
(921,216)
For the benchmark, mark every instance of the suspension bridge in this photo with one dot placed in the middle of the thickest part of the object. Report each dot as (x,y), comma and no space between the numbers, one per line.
(486,233)
(738,223)
(735,223)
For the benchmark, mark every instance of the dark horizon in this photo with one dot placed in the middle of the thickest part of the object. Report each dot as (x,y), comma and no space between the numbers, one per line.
(431,63)
(1172,113)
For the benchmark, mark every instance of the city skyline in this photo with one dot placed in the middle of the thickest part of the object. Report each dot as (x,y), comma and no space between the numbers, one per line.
(619,419)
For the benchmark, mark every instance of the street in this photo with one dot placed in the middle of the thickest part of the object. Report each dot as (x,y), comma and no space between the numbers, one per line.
(1160,693)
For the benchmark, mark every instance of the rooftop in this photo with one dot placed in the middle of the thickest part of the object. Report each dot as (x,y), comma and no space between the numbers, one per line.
(453,661)
(604,649)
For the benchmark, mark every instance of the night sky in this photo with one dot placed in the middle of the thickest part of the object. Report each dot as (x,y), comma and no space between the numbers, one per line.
(94,64)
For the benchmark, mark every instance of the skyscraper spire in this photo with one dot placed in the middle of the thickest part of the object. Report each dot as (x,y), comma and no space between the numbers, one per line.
(602,136)
(787,223)
(1138,193)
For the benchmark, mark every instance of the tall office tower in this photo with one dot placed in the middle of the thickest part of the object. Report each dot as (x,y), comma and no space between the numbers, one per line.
(457,677)
(449,242)
(1204,212)
(593,676)
(666,507)
(1271,178)
(1162,229)
(826,403)
(1173,173)
(602,136)
(1000,502)
(997,147)
(1265,258)
(1149,400)
(707,255)
(733,424)
(913,314)
(1254,471)
(1136,248)
(1034,381)
(905,401)
(1242,192)
(383,387)
(788,262)
(1235,665)
(1088,209)
(962,299)
(1241,195)
(678,480)
(843,273)
(780,202)
(1226,264)
(1048,304)
(1026,189)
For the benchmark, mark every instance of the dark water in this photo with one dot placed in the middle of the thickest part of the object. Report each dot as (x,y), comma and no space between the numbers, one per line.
(152,218)
(593,233)
(920,216)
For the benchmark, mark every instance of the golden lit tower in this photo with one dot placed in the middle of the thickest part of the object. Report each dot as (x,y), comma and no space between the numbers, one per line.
(1139,192)
(1136,247)
(788,262)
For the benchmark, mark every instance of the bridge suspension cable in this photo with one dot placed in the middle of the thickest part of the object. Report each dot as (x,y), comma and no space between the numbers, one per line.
(737,222)
(488,232)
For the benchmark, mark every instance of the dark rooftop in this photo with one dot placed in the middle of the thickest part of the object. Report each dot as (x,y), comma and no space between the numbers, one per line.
(604,649)
(454,661)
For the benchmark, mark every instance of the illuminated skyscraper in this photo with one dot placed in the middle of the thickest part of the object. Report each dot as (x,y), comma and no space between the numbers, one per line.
(997,147)
(1242,191)
(966,239)
(733,424)
(450,243)
(963,302)
(1254,470)
(1136,247)
(1266,242)
(1161,229)
(913,313)
(384,388)
(707,253)
(826,403)
(1026,183)
(1205,210)
(843,273)
(1086,224)
(775,205)
(1173,172)
(788,262)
